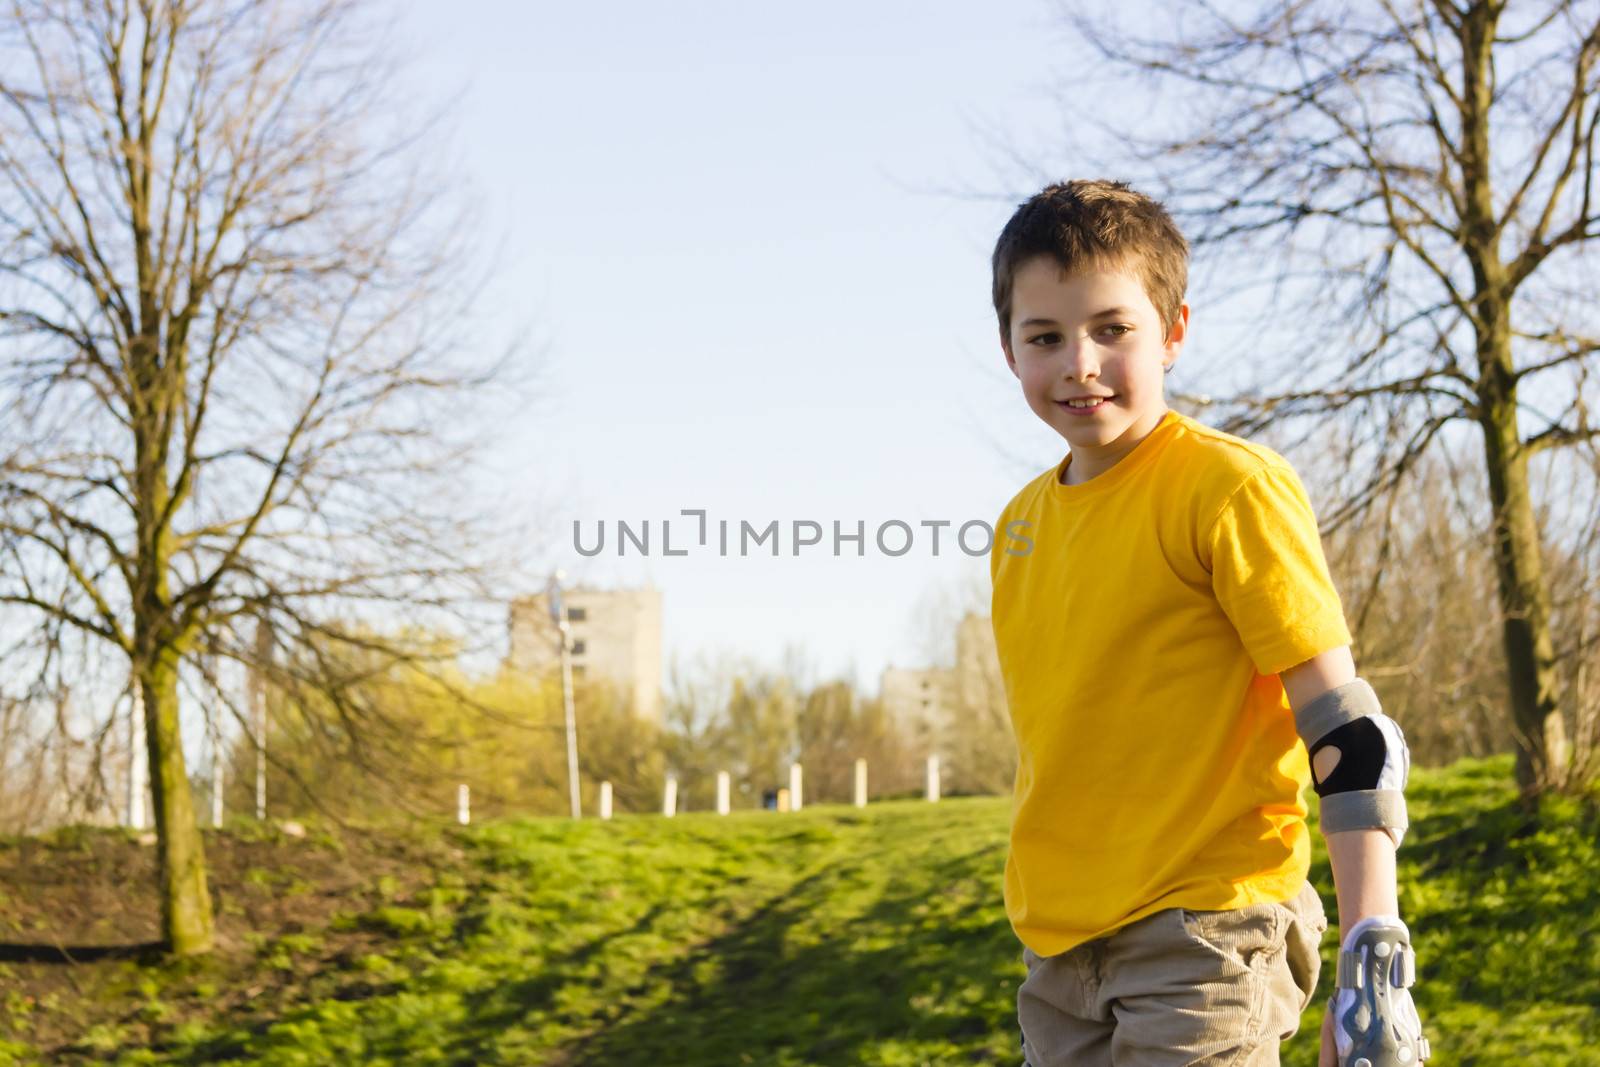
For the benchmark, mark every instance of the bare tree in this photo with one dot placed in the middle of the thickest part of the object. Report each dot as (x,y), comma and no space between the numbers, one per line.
(1410,186)
(828,732)
(234,390)
(974,735)
(1419,590)
(982,746)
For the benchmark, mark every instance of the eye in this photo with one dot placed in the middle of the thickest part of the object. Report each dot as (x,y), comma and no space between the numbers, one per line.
(1117,329)
(1045,338)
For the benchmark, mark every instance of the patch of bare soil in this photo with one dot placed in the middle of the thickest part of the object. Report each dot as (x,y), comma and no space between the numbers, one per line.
(81,963)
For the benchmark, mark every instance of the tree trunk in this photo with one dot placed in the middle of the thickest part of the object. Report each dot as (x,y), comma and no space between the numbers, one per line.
(1524,603)
(1524,594)
(186,923)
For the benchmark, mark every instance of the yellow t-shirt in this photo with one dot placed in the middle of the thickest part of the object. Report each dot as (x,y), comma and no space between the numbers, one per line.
(1142,618)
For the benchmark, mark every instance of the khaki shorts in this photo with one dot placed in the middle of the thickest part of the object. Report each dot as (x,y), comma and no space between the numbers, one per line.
(1177,987)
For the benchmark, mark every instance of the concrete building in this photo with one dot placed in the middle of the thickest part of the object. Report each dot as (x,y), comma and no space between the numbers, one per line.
(616,635)
(918,700)
(922,700)
(977,673)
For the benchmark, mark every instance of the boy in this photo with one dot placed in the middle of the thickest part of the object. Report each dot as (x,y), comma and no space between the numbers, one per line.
(1172,647)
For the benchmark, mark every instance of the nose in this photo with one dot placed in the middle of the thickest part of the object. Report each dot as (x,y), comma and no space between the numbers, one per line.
(1079,362)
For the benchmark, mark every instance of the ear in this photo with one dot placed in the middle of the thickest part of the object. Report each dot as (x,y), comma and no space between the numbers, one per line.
(1177,333)
(1011,360)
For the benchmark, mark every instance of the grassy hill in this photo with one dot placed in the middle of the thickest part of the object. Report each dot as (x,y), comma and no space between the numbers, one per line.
(833,936)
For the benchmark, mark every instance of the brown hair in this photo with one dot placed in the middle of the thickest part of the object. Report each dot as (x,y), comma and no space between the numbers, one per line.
(1095,225)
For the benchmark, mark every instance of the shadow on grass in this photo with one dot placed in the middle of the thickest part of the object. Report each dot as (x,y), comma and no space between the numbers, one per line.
(888,973)
(487,1017)
(24,952)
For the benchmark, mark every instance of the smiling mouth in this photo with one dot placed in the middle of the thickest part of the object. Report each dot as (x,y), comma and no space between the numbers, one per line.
(1079,405)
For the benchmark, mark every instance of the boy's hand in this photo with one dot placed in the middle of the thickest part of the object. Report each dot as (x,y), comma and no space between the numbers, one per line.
(1370,1020)
(1328,1056)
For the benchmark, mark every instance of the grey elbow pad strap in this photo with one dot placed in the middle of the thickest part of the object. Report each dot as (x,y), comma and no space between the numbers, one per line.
(1331,710)
(1364,809)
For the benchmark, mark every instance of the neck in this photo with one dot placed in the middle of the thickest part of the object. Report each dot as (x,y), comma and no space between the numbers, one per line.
(1087,463)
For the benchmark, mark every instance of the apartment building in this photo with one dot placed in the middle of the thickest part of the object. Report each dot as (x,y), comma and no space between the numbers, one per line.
(923,699)
(616,635)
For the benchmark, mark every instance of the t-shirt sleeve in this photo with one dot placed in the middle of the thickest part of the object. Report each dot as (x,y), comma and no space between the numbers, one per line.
(1269,574)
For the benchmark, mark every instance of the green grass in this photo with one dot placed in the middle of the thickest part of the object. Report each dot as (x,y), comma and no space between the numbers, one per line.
(837,936)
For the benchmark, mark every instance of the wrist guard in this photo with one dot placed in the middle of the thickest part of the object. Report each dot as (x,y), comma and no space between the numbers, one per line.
(1375,1023)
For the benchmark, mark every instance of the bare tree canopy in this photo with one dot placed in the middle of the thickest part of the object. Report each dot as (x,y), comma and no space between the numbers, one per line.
(1410,185)
(236,395)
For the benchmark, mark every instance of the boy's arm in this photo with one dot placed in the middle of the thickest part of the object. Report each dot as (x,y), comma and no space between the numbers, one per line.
(1362,860)
(1364,879)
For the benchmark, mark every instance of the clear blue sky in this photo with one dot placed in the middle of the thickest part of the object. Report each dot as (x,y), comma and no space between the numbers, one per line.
(752,241)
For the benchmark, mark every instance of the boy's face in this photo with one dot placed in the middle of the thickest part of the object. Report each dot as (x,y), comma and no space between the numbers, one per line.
(1094,334)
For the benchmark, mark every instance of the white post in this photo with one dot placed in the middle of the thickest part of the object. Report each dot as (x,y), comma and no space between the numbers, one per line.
(463,804)
(214,736)
(217,784)
(722,793)
(258,693)
(861,783)
(669,803)
(136,757)
(216,777)
(933,777)
(261,768)
(605,800)
(794,787)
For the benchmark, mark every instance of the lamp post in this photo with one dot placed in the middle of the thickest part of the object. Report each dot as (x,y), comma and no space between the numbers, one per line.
(558,613)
